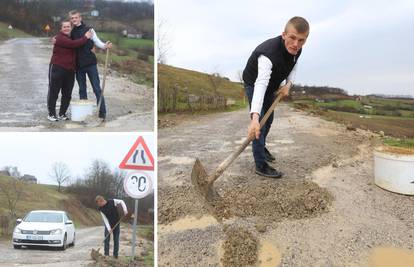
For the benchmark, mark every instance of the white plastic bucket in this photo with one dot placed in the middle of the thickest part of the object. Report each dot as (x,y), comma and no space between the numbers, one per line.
(394,170)
(81,109)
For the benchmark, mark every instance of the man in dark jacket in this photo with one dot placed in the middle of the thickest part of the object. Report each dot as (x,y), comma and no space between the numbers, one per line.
(62,70)
(86,60)
(111,217)
(269,65)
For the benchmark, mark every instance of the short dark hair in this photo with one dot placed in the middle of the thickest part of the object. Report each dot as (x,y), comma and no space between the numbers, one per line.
(73,12)
(63,21)
(299,23)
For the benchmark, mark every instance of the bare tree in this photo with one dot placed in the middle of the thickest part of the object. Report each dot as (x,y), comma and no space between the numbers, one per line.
(216,80)
(60,173)
(12,189)
(119,176)
(163,41)
(12,170)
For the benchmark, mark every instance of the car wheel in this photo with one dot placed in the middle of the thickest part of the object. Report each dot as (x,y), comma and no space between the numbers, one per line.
(17,246)
(64,245)
(73,242)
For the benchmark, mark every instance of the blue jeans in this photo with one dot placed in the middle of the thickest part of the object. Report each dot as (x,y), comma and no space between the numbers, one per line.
(258,145)
(92,72)
(115,234)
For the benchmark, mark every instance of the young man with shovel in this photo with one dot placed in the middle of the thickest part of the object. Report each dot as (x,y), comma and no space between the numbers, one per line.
(271,62)
(112,219)
(86,61)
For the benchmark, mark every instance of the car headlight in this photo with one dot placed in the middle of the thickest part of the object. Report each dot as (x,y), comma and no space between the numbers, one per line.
(56,232)
(17,230)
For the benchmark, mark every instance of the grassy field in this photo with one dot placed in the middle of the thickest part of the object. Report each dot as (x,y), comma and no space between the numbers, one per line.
(395,117)
(181,83)
(6,33)
(37,196)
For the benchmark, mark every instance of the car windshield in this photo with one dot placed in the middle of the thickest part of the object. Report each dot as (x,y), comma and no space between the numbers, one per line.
(49,217)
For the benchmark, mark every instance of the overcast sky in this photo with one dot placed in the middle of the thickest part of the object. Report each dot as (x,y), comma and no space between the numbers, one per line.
(361,46)
(34,153)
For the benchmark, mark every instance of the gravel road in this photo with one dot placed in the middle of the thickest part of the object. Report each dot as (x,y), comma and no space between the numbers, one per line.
(24,64)
(363,222)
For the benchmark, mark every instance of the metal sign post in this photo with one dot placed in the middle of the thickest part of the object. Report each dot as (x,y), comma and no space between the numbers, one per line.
(134,228)
(137,185)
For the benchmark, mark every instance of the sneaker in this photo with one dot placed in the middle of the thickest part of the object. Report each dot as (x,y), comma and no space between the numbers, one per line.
(63,117)
(268,171)
(52,118)
(269,157)
(102,116)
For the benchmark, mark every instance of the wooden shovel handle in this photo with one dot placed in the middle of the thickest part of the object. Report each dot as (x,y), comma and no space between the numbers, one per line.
(104,78)
(223,166)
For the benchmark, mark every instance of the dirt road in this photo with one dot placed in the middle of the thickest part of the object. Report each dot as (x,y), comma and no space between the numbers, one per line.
(325,211)
(78,255)
(24,66)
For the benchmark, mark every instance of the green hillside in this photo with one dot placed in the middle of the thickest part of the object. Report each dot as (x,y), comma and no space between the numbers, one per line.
(177,84)
(38,196)
(6,33)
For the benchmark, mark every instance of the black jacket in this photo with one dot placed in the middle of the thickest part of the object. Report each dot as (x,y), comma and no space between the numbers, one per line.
(111,212)
(84,56)
(282,61)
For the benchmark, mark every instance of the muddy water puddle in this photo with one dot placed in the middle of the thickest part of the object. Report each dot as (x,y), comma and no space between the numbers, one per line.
(188,223)
(389,256)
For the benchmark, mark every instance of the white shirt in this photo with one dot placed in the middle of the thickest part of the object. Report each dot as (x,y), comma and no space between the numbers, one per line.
(264,70)
(97,41)
(116,203)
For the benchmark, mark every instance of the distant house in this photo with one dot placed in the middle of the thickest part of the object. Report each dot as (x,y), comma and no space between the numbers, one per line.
(132,33)
(29,179)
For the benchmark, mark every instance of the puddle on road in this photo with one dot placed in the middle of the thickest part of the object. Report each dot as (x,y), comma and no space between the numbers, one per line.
(187,223)
(269,255)
(389,256)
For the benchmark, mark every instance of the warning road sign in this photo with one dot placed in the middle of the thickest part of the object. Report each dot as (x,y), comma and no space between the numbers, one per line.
(139,157)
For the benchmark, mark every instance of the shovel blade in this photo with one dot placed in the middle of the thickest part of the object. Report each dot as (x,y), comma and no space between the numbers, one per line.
(200,180)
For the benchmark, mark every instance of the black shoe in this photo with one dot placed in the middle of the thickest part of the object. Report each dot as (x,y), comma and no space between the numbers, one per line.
(269,157)
(63,117)
(268,171)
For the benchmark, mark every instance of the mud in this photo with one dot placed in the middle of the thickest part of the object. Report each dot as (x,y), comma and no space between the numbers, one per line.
(396,150)
(240,248)
(266,200)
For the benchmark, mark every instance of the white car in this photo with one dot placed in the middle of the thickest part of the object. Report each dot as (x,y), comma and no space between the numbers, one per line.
(44,228)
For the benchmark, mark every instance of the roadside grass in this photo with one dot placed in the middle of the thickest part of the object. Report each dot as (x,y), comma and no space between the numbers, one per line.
(6,33)
(133,57)
(405,142)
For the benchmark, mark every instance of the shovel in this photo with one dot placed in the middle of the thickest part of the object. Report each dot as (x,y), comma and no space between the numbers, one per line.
(95,252)
(96,121)
(204,183)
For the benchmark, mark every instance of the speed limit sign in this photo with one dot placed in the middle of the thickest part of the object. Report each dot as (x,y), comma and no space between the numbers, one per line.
(138,185)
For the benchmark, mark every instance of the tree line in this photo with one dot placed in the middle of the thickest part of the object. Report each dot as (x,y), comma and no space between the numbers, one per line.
(32,15)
